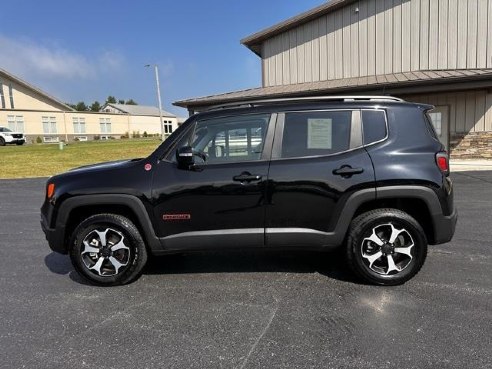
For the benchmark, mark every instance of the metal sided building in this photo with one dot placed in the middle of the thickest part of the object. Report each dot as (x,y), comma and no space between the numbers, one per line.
(431,51)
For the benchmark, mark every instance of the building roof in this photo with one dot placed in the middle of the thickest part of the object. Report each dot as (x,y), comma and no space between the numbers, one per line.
(254,41)
(395,83)
(139,110)
(5,74)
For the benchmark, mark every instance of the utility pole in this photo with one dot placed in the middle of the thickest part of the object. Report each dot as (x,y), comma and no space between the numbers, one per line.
(156,69)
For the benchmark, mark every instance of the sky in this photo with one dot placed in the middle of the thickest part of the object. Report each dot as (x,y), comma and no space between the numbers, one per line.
(88,50)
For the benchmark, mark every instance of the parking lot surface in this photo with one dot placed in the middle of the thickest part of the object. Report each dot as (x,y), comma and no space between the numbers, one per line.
(246,309)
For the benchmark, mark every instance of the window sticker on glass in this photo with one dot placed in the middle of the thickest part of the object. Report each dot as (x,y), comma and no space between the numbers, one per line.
(319,134)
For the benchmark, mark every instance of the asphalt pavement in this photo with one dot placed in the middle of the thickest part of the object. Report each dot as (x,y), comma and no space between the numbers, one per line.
(246,309)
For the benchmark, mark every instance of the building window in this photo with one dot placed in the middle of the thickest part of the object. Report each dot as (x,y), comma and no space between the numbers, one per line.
(436,119)
(2,97)
(168,126)
(16,123)
(11,94)
(78,125)
(105,124)
(49,125)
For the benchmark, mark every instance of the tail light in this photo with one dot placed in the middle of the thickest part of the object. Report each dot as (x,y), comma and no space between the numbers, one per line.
(442,160)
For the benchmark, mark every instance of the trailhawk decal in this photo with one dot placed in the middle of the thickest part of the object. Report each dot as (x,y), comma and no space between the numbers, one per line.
(167,217)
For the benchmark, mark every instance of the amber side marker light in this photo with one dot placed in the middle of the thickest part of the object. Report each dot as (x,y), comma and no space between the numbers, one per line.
(50,190)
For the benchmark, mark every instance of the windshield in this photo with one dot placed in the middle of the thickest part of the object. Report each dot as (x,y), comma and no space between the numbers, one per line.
(4,129)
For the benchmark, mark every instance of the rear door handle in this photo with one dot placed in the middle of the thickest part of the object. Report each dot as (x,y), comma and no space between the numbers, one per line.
(247,177)
(347,171)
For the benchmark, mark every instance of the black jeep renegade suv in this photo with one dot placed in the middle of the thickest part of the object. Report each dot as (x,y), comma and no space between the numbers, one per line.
(365,173)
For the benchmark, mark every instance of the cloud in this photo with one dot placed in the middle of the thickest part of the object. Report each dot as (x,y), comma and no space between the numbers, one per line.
(32,60)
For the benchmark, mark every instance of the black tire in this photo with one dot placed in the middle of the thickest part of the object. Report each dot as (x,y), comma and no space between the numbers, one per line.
(2,141)
(117,230)
(362,254)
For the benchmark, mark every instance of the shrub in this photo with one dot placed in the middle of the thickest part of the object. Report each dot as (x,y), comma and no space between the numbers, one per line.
(145,134)
(97,137)
(39,140)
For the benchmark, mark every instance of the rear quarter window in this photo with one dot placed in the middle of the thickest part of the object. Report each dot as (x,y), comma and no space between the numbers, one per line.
(374,126)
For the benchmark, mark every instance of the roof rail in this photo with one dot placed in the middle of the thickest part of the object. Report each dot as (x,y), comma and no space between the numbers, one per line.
(251,103)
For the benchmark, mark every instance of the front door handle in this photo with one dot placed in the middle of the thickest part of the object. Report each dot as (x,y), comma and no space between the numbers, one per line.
(247,177)
(347,171)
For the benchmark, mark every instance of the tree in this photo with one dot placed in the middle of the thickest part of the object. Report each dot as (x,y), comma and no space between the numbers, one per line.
(81,106)
(131,102)
(121,101)
(95,106)
(111,100)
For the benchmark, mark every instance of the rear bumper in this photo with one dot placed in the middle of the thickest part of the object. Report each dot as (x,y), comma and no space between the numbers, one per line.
(55,237)
(444,227)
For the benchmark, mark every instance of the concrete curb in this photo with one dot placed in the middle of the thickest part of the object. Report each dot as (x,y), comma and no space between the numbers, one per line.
(469,165)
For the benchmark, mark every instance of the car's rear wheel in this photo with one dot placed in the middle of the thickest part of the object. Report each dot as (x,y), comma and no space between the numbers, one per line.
(107,249)
(386,247)
(2,141)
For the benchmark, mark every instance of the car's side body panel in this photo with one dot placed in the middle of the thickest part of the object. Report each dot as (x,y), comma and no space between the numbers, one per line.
(297,202)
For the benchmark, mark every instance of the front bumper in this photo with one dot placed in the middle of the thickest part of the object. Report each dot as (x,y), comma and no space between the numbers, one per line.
(55,237)
(12,140)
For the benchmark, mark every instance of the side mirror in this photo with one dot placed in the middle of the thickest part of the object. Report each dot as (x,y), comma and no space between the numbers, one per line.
(184,157)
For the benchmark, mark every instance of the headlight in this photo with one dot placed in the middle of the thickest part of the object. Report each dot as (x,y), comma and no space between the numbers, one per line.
(7,134)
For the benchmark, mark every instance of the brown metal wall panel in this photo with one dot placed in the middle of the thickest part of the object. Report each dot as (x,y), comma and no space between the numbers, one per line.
(406,35)
(285,59)
(363,38)
(354,41)
(293,56)
(488,111)
(397,36)
(323,49)
(388,36)
(471,58)
(489,35)
(316,51)
(442,61)
(433,33)
(452,33)
(308,52)
(470,111)
(339,56)
(415,36)
(347,59)
(380,37)
(460,113)
(330,39)
(371,37)
(301,61)
(424,34)
(482,28)
(462,33)
(479,111)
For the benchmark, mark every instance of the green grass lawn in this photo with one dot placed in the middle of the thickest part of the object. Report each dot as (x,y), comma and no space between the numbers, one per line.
(45,160)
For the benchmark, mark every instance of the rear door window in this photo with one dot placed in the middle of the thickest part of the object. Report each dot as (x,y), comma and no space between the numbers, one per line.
(316,133)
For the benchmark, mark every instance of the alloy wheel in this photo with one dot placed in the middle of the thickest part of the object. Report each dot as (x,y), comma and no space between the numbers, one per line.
(105,252)
(388,250)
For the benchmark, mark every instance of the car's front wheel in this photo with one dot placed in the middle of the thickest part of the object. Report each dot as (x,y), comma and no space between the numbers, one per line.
(107,249)
(386,247)
(2,141)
